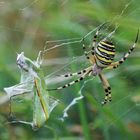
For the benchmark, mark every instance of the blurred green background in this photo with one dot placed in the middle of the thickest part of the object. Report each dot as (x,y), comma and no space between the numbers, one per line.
(26,25)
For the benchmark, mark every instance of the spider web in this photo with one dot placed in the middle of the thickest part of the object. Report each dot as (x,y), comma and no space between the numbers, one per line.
(66,62)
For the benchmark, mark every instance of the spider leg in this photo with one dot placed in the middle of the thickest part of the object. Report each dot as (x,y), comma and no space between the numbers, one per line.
(107,89)
(76,73)
(116,64)
(94,44)
(90,57)
(85,52)
(89,70)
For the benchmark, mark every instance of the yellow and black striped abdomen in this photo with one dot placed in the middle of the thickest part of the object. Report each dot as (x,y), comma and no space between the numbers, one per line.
(104,52)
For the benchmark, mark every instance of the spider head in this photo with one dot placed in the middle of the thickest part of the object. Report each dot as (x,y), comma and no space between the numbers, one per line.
(96,70)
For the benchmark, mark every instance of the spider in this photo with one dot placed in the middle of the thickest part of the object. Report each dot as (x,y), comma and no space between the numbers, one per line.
(101,57)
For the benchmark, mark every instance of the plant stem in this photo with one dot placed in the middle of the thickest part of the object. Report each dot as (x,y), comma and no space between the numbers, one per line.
(81,107)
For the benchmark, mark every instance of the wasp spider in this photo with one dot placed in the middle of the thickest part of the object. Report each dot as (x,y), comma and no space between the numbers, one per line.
(101,57)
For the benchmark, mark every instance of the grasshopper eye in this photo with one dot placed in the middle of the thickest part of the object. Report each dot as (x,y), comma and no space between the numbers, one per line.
(21,61)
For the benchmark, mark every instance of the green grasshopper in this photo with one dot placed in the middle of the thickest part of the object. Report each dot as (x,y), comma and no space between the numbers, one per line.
(32,81)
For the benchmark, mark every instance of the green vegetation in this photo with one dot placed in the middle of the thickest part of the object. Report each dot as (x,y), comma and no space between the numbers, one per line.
(26,25)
